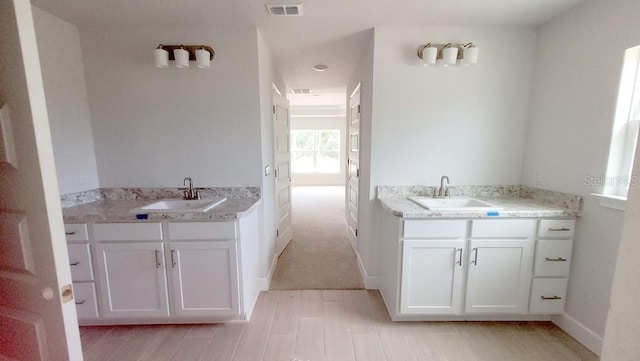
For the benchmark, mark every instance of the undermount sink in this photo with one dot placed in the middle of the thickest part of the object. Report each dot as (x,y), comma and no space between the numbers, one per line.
(180,205)
(454,204)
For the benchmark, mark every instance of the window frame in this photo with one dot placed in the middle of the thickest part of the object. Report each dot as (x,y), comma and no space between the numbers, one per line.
(316,150)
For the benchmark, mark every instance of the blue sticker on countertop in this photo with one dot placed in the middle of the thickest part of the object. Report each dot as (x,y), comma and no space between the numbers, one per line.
(142,216)
(493,214)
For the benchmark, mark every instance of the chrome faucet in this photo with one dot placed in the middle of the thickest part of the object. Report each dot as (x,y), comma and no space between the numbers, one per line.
(190,193)
(442,191)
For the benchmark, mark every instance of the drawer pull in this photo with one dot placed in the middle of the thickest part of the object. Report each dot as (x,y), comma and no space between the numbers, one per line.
(475,257)
(563,229)
(550,298)
(74,263)
(559,259)
(70,233)
(459,262)
(80,303)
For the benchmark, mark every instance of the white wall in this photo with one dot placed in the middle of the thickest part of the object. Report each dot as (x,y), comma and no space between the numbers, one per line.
(339,123)
(578,64)
(623,322)
(363,74)
(67,103)
(267,76)
(153,127)
(466,122)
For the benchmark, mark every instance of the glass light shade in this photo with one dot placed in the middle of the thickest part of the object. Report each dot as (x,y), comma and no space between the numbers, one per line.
(203,58)
(429,55)
(161,57)
(182,57)
(470,56)
(449,56)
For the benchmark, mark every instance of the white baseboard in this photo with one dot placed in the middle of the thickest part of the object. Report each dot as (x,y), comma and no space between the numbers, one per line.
(265,282)
(580,332)
(370,283)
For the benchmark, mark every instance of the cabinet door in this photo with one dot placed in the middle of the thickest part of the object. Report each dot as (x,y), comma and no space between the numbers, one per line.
(432,276)
(132,280)
(499,276)
(204,278)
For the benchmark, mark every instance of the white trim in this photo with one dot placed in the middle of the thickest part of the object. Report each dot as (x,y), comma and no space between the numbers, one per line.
(611,201)
(370,283)
(580,332)
(265,282)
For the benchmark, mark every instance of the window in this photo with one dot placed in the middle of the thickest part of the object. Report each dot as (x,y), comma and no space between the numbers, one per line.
(315,151)
(625,128)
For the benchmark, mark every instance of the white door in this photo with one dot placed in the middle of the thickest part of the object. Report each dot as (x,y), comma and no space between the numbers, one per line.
(213,261)
(432,274)
(282,172)
(131,279)
(499,276)
(353,166)
(37,314)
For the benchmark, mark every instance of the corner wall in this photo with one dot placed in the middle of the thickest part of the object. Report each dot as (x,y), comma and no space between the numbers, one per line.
(67,103)
(578,65)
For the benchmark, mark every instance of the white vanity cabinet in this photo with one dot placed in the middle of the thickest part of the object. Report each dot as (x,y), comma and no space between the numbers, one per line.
(172,272)
(82,274)
(132,279)
(499,266)
(551,266)
(432,275)
(467,269)
(204,270)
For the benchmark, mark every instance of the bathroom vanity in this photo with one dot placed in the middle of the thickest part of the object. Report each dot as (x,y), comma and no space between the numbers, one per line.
(131,268)
(510,264)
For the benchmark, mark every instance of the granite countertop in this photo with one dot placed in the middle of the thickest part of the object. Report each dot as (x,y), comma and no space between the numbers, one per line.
(516,201)
(114,204)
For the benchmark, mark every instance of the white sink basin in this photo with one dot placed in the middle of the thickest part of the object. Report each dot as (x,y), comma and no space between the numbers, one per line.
(180,206)
(454,204)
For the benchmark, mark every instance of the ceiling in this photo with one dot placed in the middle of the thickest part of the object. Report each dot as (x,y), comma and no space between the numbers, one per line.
(331,32)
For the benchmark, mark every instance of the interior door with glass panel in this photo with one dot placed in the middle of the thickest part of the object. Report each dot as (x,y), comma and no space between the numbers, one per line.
(282,173)
(38,318)
(353,163)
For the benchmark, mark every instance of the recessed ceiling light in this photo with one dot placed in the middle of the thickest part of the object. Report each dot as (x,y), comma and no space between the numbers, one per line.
(320,67)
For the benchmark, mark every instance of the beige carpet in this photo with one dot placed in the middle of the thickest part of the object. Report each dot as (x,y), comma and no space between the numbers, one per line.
(319,256)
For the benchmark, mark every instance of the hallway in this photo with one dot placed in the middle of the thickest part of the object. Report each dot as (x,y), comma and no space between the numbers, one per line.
(319,256)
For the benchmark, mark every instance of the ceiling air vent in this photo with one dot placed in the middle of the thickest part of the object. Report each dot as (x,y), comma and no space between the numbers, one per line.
(301,91)
(285,10)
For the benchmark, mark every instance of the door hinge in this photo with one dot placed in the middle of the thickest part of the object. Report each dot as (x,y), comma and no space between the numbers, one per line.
(356,232)
(277,233)
(275,173)
(274,109)
(358,110)
(358,173)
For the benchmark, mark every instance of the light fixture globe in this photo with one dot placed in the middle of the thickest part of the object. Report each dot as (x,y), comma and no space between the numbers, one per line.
(203,58)
(449,55)
(161,56)
(181,55)
(470,55)
(428,54)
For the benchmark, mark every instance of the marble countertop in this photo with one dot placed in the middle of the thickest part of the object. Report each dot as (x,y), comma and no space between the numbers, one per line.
(109,210)
(513,207)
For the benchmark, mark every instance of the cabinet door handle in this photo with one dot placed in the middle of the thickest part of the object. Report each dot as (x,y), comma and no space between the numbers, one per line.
(173,259)
(459,262)
(74,263)
(70,233)
(475,257)
(80,302)
(158,262)
(563,229)
(559,259)
(550,298)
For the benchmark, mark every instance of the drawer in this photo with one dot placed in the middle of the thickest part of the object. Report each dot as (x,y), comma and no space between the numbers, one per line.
(76,232)
(435,229)
(548,296)
(85,298)
(127,231)
(80,262)
(559,228)
(202,230)
(503,228)
(553,257)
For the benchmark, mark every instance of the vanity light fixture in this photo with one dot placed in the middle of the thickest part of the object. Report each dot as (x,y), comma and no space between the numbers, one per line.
(182,54)
(448,54)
